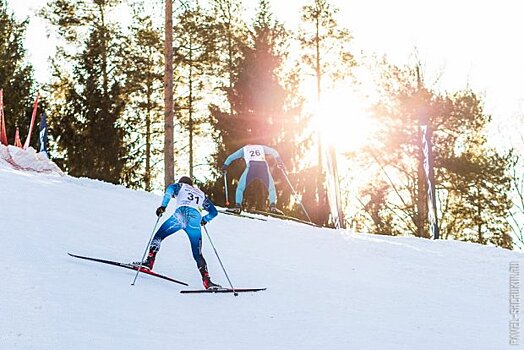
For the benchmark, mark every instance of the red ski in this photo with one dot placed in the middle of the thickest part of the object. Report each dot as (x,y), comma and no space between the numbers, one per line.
(222,290)
(128,266)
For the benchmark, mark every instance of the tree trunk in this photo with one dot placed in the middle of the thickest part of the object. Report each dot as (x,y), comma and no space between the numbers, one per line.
(147,175)
(421,213)
(169,158)
(421,191)
(191,131)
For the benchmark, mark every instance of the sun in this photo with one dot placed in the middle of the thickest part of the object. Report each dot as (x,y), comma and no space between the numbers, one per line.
(343,119)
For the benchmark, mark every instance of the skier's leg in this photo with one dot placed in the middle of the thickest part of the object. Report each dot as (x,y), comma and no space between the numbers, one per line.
(194,233)
(271,190)
(265,176)
(241,187)
(170,226)
(272,193)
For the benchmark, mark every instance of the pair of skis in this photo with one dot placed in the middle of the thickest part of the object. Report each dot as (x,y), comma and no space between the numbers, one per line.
(283,217)
(245,214)
(152,273)
(242,215)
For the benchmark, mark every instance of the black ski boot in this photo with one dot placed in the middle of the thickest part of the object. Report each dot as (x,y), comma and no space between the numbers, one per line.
(149,262)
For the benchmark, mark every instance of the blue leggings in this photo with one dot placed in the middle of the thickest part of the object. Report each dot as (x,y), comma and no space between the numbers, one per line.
(256,170)
(187,219)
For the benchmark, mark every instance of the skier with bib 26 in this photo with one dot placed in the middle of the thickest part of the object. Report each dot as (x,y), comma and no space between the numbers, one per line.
(256,168)
(190,201)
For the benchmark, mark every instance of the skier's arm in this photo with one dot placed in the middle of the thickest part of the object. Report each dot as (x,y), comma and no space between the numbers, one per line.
(171,191)
(233,156)
(273,152)
(211,210)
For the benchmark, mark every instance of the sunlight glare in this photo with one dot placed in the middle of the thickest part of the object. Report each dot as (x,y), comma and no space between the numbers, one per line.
(343,119)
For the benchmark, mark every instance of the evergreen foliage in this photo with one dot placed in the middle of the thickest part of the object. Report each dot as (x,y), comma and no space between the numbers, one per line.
(471,178)
(516,217)
(194,58)
(263,112)
(16,75)
(88,102)
(143,61)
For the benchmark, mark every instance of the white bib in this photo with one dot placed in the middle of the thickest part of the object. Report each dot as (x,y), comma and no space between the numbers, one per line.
(254,153)
(190,197)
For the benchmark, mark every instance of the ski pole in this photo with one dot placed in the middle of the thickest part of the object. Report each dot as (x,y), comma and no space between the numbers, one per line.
(295,193)
(147,247)
(220,261)
(225,189)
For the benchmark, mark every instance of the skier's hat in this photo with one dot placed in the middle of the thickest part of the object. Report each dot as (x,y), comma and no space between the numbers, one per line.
(186,180)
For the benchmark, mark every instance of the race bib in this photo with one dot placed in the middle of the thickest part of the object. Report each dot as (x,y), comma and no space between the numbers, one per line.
(190,197)
(254,153)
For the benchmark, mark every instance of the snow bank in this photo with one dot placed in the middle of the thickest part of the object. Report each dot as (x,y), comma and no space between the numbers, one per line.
(27,160)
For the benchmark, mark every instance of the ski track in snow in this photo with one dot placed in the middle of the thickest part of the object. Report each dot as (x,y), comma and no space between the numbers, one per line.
(327,289)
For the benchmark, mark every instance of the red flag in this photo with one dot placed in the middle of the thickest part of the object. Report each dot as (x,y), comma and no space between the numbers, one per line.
(35,107)
(3,134)
(18,143)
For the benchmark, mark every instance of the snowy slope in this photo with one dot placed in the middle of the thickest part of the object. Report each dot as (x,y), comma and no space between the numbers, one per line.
(327,289)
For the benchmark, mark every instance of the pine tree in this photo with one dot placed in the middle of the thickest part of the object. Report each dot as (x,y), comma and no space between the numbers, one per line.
(142,66)
(471,179)
(194,57)
(262,110)
(517,184)
(231,34)
(477,198)
(88,104)
(326,53)
(16,74)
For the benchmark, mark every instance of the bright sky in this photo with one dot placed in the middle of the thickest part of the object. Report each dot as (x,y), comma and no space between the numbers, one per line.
(467,43)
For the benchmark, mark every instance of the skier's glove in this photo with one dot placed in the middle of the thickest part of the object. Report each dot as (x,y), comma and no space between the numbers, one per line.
(160,211)
(224,169)
(280,164)
(203,222)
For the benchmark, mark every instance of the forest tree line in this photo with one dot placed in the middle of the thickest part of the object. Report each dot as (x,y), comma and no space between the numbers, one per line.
(239,80)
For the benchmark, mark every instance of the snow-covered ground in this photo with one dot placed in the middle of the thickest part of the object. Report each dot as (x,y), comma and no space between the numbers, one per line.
(326,289)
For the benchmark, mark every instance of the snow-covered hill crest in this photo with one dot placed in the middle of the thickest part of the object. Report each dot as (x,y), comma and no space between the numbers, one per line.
(327,289)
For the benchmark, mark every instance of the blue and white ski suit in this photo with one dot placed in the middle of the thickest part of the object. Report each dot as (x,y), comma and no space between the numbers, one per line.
(187,216)
(256,168)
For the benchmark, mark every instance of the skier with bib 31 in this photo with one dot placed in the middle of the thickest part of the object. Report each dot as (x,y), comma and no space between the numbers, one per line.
(190,201)
(256,169)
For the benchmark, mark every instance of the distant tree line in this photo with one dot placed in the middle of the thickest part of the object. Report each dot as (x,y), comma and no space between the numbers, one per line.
(237,81)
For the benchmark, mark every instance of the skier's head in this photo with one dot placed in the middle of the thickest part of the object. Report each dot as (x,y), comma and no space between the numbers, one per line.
(186,180)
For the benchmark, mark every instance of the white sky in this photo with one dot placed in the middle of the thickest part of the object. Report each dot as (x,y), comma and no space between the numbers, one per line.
(472,43)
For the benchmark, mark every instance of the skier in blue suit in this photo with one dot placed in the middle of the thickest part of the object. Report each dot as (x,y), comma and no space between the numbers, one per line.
(190,202)
(256,168)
